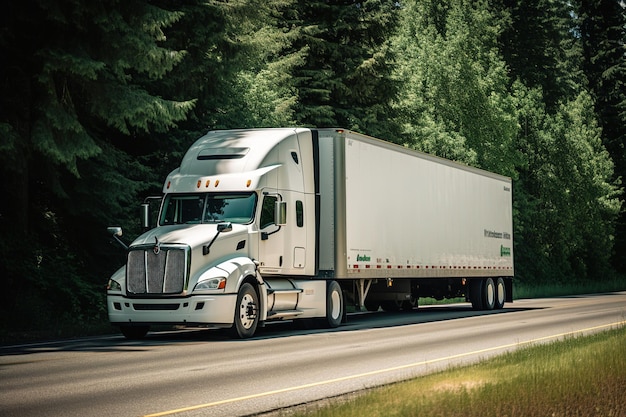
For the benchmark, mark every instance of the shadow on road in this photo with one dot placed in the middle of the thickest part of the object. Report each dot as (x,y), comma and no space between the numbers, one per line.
(381,319)
(168,336)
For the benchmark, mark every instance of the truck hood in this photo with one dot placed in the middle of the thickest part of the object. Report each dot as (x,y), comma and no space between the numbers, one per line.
(193,235)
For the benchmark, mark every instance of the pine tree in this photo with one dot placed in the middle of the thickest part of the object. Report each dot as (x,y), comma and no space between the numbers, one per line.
(79,85)
(234,65)
(603,33)
(538,46)
(345,77)
(565,196)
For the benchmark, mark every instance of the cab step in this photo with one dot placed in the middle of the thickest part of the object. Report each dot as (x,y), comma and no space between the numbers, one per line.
(286,314)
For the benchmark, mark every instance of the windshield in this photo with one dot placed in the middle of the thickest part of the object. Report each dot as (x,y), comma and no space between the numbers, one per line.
(207,208)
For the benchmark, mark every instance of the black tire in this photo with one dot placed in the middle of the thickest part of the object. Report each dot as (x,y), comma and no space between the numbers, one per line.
(476,293)
(134,332)
(500,294)
(246,317)
(489,294)
(334,305)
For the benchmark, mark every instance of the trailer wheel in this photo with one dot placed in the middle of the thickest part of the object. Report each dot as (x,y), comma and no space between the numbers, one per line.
(334,304)
(476,293)
(500,294)
(134,332)
(246,312)
(489,294)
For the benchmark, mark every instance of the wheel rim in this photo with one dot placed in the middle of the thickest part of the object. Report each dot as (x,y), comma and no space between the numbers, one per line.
(247,311)
(500,292)
(336,305)
(490,293)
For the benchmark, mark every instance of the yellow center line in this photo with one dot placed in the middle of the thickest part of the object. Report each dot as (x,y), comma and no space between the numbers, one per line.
(378,372)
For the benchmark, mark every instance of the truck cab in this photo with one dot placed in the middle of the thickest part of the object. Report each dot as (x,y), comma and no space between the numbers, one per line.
(235,240)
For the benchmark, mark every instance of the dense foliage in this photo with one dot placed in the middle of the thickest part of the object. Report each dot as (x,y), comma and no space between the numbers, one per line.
(99,100)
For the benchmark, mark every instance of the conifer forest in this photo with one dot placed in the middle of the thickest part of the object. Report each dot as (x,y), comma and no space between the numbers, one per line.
(99,100)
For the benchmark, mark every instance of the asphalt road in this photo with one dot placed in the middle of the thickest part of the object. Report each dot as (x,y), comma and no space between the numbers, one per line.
(204,373)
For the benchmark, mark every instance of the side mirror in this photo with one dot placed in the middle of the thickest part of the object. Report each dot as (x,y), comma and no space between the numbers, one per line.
(280,213)
(145,216)
(116,232)
(225,227)
(147,209)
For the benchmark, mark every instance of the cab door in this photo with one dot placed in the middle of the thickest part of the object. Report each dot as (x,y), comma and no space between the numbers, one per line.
(272,238)
(283,248)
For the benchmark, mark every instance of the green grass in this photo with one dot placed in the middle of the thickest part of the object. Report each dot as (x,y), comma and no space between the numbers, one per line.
(583,376)
(521,290)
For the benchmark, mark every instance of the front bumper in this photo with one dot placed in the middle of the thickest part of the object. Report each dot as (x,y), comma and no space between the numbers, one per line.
(215,310)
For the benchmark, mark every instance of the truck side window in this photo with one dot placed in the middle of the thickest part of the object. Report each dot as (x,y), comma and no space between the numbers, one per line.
(267,211)
(299,213)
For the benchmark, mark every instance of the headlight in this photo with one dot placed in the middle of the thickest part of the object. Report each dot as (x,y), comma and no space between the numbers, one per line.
(211,284)
(114,286)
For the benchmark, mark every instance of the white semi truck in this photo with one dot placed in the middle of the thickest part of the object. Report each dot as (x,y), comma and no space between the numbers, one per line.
(259,225)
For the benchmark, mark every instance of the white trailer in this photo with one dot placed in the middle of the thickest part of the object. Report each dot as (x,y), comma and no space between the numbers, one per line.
(273,224)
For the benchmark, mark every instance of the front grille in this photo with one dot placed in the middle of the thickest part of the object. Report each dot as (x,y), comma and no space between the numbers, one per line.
(156,272)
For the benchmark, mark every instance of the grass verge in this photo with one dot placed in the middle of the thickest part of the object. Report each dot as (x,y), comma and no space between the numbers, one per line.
(583,376)
(580,376)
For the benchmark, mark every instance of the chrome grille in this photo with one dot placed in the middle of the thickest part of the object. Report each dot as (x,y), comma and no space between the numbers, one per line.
(156,272)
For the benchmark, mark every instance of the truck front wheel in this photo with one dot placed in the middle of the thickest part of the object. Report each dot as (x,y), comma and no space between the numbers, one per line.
(246,312)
